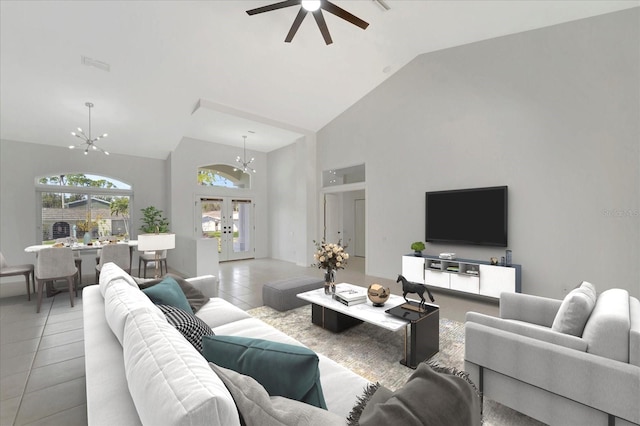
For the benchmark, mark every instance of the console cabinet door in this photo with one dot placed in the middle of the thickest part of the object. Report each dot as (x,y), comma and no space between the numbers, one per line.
(462,282)
(496,279)
(413,268)
(436,278)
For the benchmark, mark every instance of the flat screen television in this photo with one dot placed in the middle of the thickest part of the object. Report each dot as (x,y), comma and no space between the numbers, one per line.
(467,216)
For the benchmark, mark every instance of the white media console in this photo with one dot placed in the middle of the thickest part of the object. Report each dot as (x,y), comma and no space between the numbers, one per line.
(469,276)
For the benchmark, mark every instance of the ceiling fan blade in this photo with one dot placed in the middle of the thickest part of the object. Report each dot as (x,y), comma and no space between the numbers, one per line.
(274,6)
(340,12)
(322,24)
(296,24)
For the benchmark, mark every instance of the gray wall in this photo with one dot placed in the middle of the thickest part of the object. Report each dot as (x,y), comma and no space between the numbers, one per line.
(21,163)
(552,113)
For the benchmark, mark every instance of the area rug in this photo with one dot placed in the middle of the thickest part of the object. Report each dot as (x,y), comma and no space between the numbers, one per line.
(374,353)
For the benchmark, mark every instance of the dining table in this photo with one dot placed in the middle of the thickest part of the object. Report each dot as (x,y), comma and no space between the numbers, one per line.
(80,247)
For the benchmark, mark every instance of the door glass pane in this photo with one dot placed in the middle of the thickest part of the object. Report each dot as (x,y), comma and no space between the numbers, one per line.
(211,215)
(241,225)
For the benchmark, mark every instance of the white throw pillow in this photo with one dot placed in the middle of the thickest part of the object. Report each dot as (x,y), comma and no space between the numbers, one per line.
(111,272)
(589,289)
(122,300)
(169,380)
(575,310)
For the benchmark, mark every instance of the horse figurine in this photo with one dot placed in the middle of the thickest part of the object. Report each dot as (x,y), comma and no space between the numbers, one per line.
(419,289)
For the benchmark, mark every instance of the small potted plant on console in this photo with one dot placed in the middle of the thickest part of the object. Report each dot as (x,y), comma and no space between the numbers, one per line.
(417,248)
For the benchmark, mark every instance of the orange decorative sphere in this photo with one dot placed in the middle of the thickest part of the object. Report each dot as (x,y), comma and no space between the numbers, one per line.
(378,294)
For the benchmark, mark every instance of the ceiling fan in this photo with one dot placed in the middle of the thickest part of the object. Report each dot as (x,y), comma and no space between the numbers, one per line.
(315,7)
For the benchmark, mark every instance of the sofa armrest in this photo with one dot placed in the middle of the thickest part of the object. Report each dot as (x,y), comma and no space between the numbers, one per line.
(207,284)
(529,308)
(607,385)
(525,329)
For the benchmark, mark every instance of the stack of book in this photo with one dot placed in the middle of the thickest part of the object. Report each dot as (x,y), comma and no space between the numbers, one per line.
(351,297)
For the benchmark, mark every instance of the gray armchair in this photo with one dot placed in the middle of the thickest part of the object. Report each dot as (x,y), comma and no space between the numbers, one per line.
(521,361)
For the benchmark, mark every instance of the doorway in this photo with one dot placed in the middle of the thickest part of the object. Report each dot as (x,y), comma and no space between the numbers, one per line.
(344,218)
(230,220)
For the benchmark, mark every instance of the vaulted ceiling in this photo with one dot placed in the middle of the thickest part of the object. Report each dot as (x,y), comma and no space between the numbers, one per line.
(207,70)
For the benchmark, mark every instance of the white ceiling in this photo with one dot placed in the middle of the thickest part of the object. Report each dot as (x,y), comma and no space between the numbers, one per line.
(207,70)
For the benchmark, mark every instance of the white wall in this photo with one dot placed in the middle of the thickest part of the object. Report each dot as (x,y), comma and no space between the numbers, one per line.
(293,201)
(21,163)
(184,162)
(552,113)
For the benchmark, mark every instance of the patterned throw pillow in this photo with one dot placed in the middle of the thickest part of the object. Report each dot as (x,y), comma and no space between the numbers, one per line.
(189,325)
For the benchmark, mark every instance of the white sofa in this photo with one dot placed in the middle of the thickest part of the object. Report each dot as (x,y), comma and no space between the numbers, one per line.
(141,370)
(589,378)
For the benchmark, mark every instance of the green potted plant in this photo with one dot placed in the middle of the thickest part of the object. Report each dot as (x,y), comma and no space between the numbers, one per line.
(153,221)
(417,248)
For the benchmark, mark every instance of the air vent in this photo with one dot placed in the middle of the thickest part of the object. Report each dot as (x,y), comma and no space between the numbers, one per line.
(84,60)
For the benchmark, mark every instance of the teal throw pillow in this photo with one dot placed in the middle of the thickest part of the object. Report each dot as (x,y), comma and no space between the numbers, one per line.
(168,292)
(283,370)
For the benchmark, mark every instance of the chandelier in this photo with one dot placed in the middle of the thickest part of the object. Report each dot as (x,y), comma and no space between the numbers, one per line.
(245,164)
(87,141)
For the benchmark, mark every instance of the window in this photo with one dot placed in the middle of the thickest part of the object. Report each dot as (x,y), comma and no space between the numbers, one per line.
(223,175)
(72,205)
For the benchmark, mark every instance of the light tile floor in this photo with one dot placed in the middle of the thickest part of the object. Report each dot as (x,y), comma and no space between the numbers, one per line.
(42,378)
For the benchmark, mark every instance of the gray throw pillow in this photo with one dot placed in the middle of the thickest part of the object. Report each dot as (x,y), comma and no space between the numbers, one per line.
(428,398)
(575,310)
(257,408)
(194,296)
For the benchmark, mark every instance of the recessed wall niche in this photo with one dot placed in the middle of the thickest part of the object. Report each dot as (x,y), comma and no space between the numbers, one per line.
(346,175)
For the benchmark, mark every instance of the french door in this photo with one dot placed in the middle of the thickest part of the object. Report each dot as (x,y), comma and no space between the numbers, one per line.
(230,220)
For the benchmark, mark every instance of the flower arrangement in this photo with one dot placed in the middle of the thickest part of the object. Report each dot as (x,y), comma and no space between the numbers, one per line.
(88,225)
(330,256)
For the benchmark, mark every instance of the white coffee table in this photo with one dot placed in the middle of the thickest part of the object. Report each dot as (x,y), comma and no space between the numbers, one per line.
(363,312)
(421,334)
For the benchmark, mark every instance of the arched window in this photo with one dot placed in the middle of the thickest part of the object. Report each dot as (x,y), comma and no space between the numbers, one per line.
(72,205)
(223,175)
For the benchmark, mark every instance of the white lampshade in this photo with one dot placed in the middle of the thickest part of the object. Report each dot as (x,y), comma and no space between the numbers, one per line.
(153,242)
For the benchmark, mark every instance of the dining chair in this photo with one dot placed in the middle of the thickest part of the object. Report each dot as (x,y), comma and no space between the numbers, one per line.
(78,261)
(149,257)
(27,270)
(116,253)
(55,264)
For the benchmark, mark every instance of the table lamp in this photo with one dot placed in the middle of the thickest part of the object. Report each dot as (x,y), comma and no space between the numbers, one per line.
(157,243)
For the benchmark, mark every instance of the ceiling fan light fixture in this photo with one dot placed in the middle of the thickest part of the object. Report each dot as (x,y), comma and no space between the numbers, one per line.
(316,7)
(311,5)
